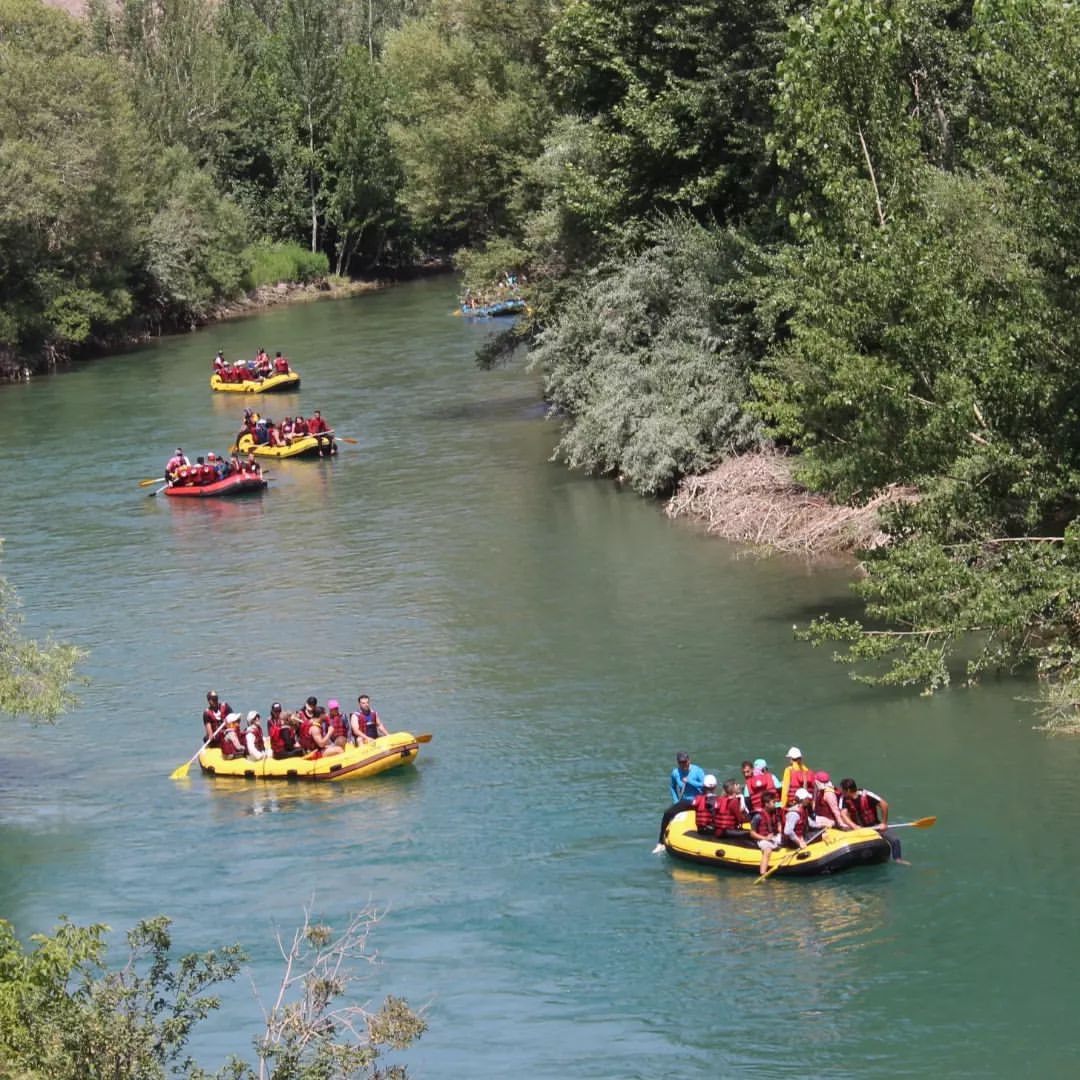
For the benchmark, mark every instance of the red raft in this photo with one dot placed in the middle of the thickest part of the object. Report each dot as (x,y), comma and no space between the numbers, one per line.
(234,484)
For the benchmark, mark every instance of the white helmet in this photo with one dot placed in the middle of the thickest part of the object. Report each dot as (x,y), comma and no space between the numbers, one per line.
(794,752)
(710,780)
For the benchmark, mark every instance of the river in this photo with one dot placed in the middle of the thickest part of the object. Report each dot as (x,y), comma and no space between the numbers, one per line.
(562,640)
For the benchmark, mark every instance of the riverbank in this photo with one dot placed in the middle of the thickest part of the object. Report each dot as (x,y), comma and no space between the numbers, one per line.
(755,499)
(141,329)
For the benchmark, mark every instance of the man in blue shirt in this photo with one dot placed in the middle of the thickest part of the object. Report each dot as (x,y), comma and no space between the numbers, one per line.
(687,782)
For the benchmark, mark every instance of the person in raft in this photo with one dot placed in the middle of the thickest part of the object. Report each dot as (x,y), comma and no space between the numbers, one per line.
(281,364)
(219,363)
(213,716)
(760,780)
(868,811)
(318,427)
(232,743)
(687,782)
(175,463)
(337,727)
(254,743)
(765,828)
(797,775)
(364,723)
(719,815)
(283,737)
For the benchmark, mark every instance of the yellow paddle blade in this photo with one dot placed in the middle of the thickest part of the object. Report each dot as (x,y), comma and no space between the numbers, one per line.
(924,823)
(152,480)
(457,312)
(180,772)
(426,737)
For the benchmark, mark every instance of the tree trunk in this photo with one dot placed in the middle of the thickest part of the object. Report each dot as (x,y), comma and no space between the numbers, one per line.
(311,181)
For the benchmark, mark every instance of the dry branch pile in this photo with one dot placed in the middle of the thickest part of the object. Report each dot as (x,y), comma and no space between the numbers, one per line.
(753,499)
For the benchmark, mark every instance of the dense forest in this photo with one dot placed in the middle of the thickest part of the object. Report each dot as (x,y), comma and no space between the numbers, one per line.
(847,228)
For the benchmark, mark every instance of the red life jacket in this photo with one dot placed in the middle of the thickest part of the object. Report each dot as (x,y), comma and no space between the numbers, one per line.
(863,809)
(758,784)
(300,427)
(208,474)
(804,819)
(820,805)
(769,825)
(306,724)
(228,747)
(214,720)
(339,727)
(281,365)
(704,812)
(317,425)
(799,778)
(728,812)
(255,729)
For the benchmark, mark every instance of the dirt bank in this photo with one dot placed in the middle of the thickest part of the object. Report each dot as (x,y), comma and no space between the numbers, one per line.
(754,499)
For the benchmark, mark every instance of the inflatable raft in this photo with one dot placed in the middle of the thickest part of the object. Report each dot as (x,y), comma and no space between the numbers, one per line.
(514,306)
(269,385)
(834,850)
(308,446)
(356,763)
(234,484)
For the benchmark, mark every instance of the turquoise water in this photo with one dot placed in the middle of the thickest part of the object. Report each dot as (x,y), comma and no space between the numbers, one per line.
(562,640)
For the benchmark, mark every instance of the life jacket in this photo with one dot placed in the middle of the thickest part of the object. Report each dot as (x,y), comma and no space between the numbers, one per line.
(799,778)
(317,425)
(281,365)
(369,723)
(300,427)
(208,474)
(728,812)
(770,824)
(306,741)
(228,747)
(758,784)
(256,730)
(863,809)
(339,726)
(804,819)
(214,718)
(821,807)
(705,812)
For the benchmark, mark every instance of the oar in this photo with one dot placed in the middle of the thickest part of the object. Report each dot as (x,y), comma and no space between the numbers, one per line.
(182,770)
(151,494)
(426,737)
(922,823)
(152,480)
(791,855)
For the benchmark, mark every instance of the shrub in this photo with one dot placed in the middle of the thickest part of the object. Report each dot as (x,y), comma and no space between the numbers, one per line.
(271,263)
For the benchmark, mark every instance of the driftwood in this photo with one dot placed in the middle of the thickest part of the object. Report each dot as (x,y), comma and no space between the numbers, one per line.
(753,499)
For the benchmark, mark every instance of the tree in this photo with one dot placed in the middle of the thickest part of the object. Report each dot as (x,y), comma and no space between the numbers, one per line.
(652,379)
(65,1014)
(35,677)
(468,112)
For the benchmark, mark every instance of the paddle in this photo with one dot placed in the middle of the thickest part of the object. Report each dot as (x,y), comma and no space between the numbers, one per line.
(791,855)
(922,823)
(151,494)
(182,770)
(426,737)
(152,480)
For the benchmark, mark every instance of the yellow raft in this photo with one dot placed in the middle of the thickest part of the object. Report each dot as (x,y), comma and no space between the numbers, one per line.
(834,850)
(356,763)
(302,447)
(271,383)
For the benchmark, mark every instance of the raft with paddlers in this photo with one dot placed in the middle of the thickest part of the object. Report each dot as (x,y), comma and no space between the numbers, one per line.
(269,385)
(241,483)
(305,446)
(827,853)
(354,763)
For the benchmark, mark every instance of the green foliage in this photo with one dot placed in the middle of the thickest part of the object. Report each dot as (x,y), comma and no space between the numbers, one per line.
(650,362)
(271,263)
(35,677)
(195,241)
(65,1014)
(469,110)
